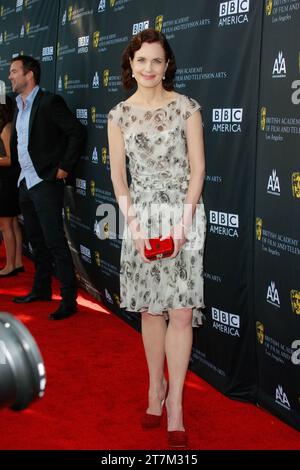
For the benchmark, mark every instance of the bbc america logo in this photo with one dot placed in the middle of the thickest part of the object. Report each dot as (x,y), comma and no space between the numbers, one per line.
(83,44)
(138,27)
(47,54)
(234,7)
(227,119)
(223,223)
(225,322)
(233,12)
(85,254)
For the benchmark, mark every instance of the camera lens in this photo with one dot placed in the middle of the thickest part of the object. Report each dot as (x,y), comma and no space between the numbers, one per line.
(22,370)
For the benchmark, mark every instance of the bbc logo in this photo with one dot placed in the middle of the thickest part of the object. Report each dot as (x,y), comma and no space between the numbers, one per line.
(225,318)
(224,219)
(234,7)
(138,27)
(228,115)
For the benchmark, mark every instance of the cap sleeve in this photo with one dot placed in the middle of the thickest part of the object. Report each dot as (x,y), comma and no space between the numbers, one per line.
(189,107)
(114,115)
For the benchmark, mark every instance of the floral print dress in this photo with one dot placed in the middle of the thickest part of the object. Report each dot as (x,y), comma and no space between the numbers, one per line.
(155,144)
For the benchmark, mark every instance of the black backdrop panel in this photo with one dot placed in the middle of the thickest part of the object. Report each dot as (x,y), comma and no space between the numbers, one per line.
(29,27)
(277,249)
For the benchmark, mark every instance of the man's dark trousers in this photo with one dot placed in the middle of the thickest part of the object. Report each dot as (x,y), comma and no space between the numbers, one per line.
(41,207)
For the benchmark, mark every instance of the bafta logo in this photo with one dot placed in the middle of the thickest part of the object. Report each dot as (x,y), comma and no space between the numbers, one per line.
(106,230)
(159,23)
(93,114)
(66,80)
(67,213)
(97,258)
(96,38)
(258,228)
(93,188)
(104,155)
(27,27)
(105,77)
(112,3)
(58,49)
(269,6)
(295,301)
(1,10)
(26,3)
(263,117)
(260,332)
(296,184)
(70,13)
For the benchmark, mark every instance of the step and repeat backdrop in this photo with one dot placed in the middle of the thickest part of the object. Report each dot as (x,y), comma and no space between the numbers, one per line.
(277,213)
(239,59)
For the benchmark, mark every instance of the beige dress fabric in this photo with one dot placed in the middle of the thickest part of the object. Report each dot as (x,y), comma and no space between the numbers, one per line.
(155,144)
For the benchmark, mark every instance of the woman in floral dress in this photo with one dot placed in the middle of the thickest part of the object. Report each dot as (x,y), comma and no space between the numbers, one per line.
(160,131)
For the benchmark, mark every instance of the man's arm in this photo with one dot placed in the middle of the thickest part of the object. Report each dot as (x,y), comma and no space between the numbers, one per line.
(73,130)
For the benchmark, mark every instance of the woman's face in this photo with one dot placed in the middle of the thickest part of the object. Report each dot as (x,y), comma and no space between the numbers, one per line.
(149,64)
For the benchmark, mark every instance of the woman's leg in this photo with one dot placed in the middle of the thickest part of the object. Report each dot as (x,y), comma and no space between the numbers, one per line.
(153,333)
(19,247)
(178,346)
(6,227)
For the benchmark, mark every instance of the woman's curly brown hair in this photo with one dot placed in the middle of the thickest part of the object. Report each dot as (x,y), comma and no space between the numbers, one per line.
(148,35)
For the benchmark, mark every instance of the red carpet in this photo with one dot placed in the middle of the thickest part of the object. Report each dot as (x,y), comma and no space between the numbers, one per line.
(97,386)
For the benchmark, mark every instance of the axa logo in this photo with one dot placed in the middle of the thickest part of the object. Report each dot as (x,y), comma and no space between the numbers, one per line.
(272,295)
(101,6)
(108,297)
(95,158)
(96,81)
(281,398)
(273,186)
(279,67)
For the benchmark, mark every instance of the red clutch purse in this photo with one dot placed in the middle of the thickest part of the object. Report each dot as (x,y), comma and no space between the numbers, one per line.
(160,248)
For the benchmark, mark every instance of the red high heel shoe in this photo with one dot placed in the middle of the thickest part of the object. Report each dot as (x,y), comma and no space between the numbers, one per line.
(177,438)
(149,421)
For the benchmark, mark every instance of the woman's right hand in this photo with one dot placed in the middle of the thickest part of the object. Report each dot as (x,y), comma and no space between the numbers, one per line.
(141,243)
(139,238)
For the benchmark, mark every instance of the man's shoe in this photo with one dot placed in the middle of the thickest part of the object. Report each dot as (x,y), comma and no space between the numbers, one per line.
(14,272)
(31,297)
(63,311)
